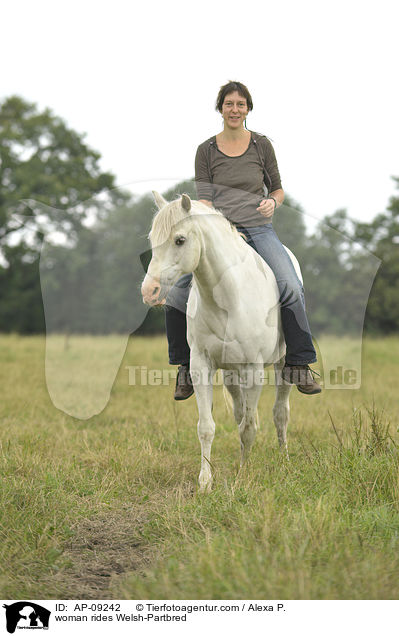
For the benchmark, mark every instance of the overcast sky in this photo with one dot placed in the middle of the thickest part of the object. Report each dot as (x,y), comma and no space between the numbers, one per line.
(141,81)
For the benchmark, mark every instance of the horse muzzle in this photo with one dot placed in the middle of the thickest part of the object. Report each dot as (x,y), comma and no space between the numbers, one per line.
(152,292)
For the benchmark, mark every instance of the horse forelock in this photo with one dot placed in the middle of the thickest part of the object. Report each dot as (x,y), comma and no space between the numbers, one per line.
(167,219)
(164,221)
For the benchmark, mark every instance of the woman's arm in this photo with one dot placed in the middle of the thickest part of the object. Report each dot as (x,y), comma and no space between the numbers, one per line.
(275,198)
(278,195)
(202,176)
(269,205)
(209,203)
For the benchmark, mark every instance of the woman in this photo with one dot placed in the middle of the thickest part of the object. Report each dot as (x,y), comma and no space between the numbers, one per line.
(231,170)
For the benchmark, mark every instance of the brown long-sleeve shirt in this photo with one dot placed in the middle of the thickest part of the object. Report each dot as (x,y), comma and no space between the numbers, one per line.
(235,185)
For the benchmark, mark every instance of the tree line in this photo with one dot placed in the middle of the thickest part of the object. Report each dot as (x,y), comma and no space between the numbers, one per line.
(74,247)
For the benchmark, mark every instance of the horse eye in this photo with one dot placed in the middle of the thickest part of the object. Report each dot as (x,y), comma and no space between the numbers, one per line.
(179,240)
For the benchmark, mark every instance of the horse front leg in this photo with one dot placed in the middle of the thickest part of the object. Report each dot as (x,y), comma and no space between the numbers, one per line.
(281,408)
(202,375)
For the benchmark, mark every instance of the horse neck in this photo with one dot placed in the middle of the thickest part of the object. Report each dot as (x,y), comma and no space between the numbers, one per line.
(220,251)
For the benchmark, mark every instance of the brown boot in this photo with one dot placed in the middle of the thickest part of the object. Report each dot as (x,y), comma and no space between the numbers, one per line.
(184,386)
(302,376)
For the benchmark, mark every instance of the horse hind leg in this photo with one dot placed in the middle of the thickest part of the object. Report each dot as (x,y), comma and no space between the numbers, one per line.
(232,386)
(281,408)
(248,423)
(245,401)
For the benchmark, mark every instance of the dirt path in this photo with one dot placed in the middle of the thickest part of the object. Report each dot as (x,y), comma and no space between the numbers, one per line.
(100,551)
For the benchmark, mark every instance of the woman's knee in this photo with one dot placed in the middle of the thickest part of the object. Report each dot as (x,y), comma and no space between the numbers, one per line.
(178,294)
(290,292)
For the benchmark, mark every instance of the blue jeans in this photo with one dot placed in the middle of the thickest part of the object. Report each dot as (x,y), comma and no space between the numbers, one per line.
(264,240)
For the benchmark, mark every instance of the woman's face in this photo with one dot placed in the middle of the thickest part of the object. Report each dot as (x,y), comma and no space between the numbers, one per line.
(234,110)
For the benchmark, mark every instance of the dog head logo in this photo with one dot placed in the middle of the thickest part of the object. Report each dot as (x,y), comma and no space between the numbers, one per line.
(26,615)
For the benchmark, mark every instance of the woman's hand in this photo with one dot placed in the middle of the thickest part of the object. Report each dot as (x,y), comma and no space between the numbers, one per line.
(267,207)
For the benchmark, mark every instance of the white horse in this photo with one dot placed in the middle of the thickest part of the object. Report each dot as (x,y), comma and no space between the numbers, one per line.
(233,315)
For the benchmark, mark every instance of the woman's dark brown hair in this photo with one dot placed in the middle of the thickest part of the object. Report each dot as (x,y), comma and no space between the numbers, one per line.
(230,87)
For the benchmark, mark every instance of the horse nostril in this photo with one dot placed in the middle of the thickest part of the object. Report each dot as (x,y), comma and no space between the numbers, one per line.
(156,291)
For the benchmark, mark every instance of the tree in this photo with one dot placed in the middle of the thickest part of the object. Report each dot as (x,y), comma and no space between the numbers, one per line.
(338,273)
(21,307)
(288,221)
(93,286)
(383,235)
(42,160)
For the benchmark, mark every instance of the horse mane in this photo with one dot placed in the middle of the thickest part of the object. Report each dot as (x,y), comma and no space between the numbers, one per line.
(166,219)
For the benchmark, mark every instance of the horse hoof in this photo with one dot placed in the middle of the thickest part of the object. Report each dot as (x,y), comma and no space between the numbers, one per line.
(205,486)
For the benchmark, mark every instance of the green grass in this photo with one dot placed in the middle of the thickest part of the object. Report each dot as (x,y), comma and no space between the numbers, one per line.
(108,507)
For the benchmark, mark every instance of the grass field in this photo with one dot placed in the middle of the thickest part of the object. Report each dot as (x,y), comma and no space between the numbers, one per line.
(108,507)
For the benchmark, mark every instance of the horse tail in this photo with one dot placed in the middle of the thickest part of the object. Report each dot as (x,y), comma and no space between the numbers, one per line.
(228,400)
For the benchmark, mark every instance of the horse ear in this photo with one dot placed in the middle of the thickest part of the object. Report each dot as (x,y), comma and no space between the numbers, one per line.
(186,202)
(159,200)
